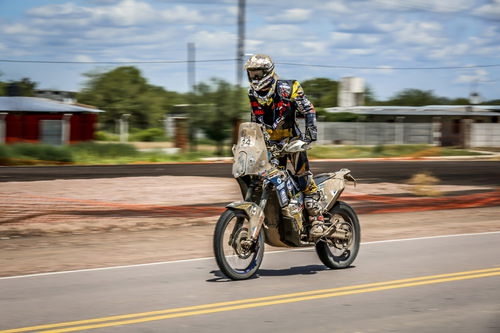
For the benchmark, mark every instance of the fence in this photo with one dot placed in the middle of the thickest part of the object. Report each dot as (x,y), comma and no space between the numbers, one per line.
(485,135)
(378,133)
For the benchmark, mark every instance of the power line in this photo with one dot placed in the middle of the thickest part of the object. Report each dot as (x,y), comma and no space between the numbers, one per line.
(387,68)
(227,60)
(113,62)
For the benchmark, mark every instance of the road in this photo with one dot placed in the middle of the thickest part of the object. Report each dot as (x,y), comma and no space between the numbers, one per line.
(440,284)
(467,172)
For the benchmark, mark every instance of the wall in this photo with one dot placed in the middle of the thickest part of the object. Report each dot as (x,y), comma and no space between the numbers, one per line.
(378,133)
(25,127)
(354,133)
(485,135)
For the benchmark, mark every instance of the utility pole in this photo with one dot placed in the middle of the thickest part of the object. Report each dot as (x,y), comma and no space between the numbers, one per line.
(191,70)
(188,125)
(240,53)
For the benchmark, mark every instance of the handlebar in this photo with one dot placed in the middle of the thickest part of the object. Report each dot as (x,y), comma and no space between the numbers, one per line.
(293,146)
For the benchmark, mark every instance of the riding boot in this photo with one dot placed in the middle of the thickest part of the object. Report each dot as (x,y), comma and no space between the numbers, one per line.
(315,217)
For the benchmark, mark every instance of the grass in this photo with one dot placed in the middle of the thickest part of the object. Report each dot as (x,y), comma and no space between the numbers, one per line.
(118,153)
(334,152)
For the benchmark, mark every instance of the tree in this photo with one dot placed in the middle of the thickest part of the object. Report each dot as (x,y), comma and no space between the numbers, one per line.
(322,92)
(370,99)
(216,105)
(23,87)
(416,97)
(124,90)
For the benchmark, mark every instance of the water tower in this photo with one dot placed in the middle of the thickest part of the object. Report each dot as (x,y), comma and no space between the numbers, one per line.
(351,91)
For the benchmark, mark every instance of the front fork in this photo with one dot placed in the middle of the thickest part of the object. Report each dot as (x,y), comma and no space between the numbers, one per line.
(256,214)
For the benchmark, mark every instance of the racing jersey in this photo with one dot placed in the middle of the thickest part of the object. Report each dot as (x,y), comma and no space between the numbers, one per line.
(278,114)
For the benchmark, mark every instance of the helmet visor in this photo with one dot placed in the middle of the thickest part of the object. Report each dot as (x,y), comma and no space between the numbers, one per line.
(256,74)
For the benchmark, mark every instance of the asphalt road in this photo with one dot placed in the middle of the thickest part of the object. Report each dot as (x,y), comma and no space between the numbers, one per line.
(444,284)
(469,172)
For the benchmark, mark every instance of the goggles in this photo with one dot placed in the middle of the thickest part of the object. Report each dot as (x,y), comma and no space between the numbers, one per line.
(256,74)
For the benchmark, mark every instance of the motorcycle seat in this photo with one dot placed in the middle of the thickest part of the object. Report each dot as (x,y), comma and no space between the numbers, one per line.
(322,177)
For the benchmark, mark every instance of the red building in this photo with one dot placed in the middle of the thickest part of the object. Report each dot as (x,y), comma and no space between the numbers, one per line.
(31,119)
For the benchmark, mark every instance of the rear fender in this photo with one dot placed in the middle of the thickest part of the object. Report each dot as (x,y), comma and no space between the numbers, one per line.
(332,188)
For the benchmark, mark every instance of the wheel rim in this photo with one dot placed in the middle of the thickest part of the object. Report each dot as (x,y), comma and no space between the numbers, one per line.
(238,259)
(341,250)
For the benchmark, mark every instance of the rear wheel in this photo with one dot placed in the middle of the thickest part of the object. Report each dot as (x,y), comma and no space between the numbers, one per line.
(340,251)
(235,259)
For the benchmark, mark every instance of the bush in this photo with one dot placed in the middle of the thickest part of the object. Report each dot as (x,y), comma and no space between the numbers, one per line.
(41,152)
(149,135)
(4,155)
(104,149)
(4,152)
(105,136)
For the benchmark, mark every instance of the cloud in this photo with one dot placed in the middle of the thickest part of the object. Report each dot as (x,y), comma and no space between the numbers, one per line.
(313,48)
(360,51)
(335,7)
(490,10)
(445,52)
(215,41)
(347,40)
(423,33)
(441,6)
(294,15)
(381,70)
(83,58)
(125,12)
(274,32)
(182,14)
(122,13)
(478,76)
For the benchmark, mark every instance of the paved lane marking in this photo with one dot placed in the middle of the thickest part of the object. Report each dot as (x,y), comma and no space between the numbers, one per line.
(257,302)
(212,258)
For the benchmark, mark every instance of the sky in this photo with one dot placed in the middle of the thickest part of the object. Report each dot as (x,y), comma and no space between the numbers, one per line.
(451,47)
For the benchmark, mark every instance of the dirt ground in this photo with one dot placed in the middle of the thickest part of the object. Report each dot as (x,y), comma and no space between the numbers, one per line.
(67,244)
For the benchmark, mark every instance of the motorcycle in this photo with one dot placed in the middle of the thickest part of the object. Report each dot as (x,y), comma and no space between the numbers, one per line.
(273,209)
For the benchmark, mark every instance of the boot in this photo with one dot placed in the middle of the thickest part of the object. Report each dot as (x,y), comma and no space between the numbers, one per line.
(312,207)
(317,227)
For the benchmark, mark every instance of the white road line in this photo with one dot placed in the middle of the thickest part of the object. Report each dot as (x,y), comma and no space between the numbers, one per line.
(212,258)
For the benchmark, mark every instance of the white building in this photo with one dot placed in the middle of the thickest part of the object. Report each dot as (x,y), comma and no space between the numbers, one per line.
(351,92)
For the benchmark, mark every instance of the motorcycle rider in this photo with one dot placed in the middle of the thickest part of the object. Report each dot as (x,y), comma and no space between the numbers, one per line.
(276,104)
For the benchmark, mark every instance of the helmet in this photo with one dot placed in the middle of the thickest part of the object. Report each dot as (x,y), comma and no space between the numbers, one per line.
(261,75)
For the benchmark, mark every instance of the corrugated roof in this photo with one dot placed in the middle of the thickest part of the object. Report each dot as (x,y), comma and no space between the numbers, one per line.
(430,110)
(36,104)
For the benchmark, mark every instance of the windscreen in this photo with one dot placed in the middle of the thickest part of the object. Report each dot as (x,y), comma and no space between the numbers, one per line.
(250,153)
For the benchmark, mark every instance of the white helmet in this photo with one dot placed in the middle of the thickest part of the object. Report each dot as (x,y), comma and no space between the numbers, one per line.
(261,75)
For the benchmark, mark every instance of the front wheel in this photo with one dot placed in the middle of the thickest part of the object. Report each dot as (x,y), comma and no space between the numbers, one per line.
(337,252)
(235,260)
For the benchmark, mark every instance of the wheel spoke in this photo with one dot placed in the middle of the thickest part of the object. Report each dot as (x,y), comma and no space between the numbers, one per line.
(238,259)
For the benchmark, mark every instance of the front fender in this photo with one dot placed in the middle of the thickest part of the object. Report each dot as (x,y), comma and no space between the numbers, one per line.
(254,213)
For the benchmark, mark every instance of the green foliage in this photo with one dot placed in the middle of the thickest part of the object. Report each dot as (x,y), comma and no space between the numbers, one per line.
(322,92)
(492,102)
(23,87)
(93,153)
(105,136)
(339,116)
(4,154)
(149,135)
(416,97)
(104,149)
(41,152)
(420,150)
(370,99)
(124,90)
(215,106)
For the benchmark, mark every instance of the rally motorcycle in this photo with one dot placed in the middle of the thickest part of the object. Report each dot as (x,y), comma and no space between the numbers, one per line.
(273,209)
